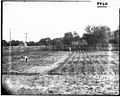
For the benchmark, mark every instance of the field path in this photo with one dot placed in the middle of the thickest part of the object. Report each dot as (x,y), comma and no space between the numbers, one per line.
(43,69)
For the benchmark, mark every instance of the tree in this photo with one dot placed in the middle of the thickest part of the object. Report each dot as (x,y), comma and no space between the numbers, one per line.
(68,38)
(88,29)
(4,43)
(45,41)
(15,42)
(31,43)
(76,36)
(97,35)
(57,41)
(87,37)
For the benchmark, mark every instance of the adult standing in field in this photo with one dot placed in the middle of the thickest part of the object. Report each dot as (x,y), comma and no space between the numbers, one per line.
(69,50)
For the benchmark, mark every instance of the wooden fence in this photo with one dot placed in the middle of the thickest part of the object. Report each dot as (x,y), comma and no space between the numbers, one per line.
(22,50)
(85,47)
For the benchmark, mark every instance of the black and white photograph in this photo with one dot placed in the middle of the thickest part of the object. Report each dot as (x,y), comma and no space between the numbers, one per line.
(60,47)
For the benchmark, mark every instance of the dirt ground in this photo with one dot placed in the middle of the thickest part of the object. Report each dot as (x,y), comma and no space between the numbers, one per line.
(63,73)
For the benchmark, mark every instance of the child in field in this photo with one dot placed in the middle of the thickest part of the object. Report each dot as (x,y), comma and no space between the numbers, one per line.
(25,58)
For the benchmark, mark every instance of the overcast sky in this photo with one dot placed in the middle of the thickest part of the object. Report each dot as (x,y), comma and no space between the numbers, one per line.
(53,19)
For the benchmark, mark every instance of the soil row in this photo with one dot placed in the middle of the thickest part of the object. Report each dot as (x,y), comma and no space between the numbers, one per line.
(87,62)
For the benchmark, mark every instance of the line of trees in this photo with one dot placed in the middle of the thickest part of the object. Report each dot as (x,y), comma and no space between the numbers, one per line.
(97,35)
(94,35)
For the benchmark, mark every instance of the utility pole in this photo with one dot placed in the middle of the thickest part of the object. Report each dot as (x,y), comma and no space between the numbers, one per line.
(26,38)
(10,59)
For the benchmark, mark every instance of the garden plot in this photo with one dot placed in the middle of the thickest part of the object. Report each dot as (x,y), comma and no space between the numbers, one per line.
(82,62)
(41,60)
(75,73)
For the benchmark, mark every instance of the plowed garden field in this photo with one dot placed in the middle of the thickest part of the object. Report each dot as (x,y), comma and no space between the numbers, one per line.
(63,73)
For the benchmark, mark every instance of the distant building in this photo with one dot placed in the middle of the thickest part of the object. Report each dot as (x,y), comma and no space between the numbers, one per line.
(25,44)
(21,46)
(115,36)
